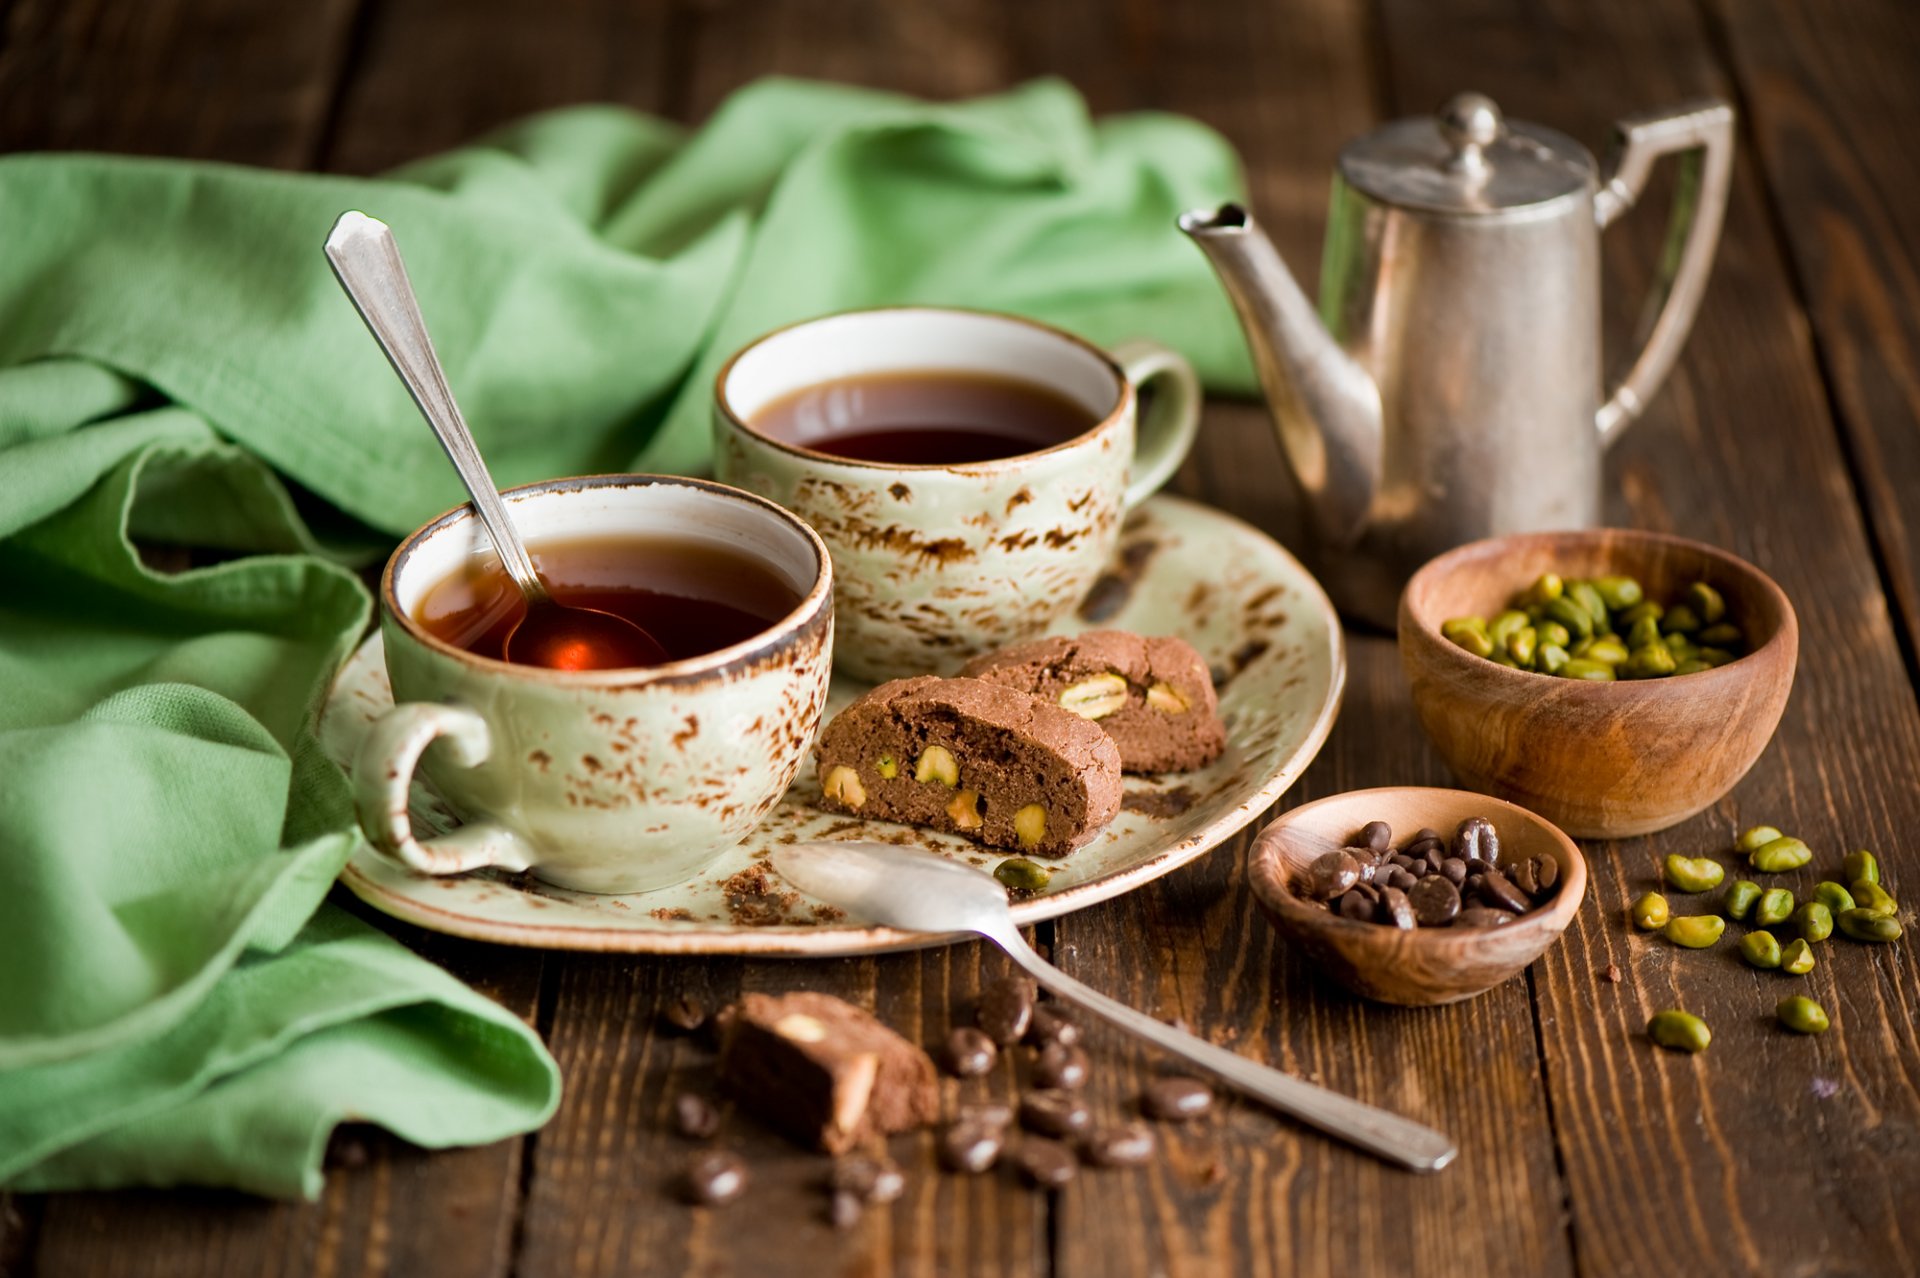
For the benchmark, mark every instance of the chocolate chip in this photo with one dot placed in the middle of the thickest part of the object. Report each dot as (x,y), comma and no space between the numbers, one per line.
(1400,862)
(1006,1009)
(1454,870)
(713,1178)
(971,1146)
(1377,835)
(969,1052)
(1396,910)
(685,1013)
(1435,901)
(694,1116)
(1399,880)
(1060,1066)
(1499,890)
(1356,907)
(1476,838)
(1427,833)
(1048,1163)
(871,1180)
(1420,848)
(1481,916)
(1125,1145)
(845,1210)
(1055,1113)
(1330,874)
(1176,1099)
(1052,1025)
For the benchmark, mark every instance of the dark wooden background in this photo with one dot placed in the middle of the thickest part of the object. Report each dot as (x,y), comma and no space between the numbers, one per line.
(1790,433)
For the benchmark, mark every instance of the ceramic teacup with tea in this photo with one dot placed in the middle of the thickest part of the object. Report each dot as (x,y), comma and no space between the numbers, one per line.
(601,780)
(968,471)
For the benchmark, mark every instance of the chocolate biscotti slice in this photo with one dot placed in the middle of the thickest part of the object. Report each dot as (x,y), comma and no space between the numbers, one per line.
(1154,696)
(977,759)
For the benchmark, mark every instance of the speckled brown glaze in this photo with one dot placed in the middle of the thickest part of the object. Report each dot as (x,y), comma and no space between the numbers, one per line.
(1166,718)
(1009,750)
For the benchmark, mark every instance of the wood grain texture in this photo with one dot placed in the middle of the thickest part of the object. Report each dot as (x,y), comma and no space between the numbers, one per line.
(1668,1155)
(1824,87)
(1601,760)
(213,79)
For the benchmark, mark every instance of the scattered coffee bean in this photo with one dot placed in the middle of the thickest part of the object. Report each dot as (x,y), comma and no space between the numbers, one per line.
(1125,1145)
(988,1113)
(844,1210)
(1060,1066)
(1176,1099)
(1435,901)
(685,1013)
(1006,1009)
(1398,910)
(970,1053)
(714,1178)
(1052,1025)
(1053,1112)
(871,1180)
(970,1146)
(1048,1163)
(1330,874)
(694,1116)
(1377,835)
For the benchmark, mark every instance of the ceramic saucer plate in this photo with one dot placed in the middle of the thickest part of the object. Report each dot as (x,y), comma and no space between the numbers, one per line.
(1182,569)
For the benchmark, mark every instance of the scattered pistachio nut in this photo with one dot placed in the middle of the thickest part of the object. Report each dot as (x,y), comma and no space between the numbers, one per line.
(1165,697)
(843,783)
(1738,900)
(1802,1015)
(1694,873)
(1679,1031)
(1695,931)
(1650,912)
(1095,698)
(1760,949)
(1874,899)
(1865,925)
(1860,865)
(1774,906)
(1030,825)
(936,763)
(1814,920)
(1797,958)
(1783,854)
(1020,874)
(1836,898)
(1755,837)
(964,808)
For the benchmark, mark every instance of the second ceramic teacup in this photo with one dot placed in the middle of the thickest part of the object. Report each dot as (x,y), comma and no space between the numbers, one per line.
(938,563)
(598,780)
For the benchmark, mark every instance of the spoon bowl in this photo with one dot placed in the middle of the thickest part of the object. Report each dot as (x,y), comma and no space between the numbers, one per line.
(367,262)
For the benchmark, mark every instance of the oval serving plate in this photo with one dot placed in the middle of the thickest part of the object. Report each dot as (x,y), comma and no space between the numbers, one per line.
(1183,569)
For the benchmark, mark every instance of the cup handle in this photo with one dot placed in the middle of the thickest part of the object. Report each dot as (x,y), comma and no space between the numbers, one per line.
(383,773)
(1165,436)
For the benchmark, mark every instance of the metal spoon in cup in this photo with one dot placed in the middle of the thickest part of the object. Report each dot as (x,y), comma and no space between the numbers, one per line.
(549,633)
(921,892)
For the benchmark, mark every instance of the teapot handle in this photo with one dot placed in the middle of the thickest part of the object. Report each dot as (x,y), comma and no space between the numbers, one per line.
(1704,132)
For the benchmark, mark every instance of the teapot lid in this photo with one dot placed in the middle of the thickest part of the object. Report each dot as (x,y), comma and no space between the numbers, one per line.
(1466,160)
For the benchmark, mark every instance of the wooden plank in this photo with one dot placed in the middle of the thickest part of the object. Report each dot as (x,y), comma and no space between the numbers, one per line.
(1251,1193)
(211,79)
(1770,1153)
(433,76)
(1825,88)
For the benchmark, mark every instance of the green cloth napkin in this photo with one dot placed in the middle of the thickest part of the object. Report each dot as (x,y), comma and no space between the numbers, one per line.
(178,1003)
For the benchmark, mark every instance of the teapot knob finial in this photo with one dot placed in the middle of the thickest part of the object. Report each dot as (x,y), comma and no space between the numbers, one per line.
(1470,122)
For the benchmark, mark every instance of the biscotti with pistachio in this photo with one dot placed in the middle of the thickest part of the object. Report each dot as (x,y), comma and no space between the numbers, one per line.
(976,759)
(1153,695)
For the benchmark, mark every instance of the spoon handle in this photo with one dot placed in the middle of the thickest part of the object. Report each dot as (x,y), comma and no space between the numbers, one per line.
(367,262)
(1395,1139)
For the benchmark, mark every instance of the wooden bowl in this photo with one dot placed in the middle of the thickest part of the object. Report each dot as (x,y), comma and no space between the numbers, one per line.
(1427,966)
(1601,760)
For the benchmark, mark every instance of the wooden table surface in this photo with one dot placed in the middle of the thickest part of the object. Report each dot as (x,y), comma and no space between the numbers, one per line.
(1789,433)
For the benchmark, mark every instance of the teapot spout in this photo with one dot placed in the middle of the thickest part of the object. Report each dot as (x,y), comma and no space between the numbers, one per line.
(1325,406)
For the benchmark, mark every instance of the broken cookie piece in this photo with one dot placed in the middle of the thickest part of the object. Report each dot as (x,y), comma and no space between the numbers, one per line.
(824,1072)
(977,759)
(1153,696)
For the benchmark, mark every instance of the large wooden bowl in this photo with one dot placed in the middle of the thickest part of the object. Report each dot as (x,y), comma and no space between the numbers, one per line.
(1427,966)
(1601,760)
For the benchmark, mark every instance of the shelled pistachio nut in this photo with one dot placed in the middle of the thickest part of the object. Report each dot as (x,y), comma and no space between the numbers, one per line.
(1650,912)
(1695,931)
(1679,1031)
(1802,1015)
(1694,873)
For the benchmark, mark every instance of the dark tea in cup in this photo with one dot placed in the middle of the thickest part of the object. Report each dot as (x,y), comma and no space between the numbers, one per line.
(932,417)
(693,597)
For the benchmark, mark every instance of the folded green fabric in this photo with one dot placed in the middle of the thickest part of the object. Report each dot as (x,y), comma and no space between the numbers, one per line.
(180,1004)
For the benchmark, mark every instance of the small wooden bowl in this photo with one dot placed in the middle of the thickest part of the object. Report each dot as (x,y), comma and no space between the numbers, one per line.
(1427,966)
(1602,760)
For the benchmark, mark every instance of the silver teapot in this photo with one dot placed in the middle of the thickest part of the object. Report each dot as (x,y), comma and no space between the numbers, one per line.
(1450,386)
